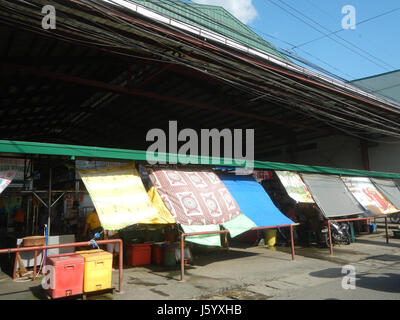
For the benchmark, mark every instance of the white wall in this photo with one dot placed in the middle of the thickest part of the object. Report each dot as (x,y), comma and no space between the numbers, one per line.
(385,157)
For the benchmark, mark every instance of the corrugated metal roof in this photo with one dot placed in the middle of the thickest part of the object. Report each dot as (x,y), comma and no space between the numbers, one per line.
(386,85)
(213,18)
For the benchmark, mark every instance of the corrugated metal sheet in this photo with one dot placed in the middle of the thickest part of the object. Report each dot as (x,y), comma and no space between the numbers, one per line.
(332,196)
(386,85)
(213,18)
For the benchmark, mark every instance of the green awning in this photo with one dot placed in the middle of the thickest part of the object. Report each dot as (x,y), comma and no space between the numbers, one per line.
(36,148)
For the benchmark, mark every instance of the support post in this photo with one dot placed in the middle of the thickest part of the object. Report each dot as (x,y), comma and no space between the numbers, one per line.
(330,238)
(121,262)
(182,256)
(386,230)
(34,265)
(292,241)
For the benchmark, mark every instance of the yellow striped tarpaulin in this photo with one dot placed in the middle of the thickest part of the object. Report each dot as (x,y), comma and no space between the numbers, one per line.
(120,198)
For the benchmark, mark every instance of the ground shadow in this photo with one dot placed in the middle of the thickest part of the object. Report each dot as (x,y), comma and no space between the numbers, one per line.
(385,257)
(379,243)
(386,282)
(330,273)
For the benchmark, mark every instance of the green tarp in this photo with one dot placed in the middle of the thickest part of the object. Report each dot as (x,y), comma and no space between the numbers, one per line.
(205,240)
(238,225)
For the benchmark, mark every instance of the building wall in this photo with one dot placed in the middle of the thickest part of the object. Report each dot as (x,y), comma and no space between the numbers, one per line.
(385,157)
(334,151)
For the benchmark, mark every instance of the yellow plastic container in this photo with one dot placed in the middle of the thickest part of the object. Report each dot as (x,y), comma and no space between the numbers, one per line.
(270,237)
(97,270)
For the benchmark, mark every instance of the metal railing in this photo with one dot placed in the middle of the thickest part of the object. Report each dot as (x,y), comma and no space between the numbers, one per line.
(69,245)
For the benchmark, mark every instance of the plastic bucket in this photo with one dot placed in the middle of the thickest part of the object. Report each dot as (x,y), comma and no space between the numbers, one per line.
(270,237)
(372,228)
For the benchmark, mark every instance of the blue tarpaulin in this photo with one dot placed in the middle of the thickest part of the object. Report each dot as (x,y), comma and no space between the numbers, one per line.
(253,201)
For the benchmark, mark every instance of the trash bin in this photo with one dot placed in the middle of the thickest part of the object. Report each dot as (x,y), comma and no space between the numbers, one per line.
(270,237)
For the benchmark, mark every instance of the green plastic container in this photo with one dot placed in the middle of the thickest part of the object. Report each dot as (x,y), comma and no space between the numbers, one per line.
(352,232)
(169,259)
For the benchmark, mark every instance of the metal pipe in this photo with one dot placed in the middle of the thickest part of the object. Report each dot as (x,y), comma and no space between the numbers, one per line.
(330,238)
(183,235)
(291,241)
(34,265)
(49,211)
(68,245)
(386,229)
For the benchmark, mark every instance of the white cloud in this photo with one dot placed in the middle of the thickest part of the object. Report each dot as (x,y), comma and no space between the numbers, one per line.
(241,9)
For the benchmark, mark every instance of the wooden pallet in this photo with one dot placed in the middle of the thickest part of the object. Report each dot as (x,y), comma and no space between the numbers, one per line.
(84,295)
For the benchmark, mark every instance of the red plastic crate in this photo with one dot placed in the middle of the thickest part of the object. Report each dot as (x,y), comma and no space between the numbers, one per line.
(68,274)
(138,254)
(157,253)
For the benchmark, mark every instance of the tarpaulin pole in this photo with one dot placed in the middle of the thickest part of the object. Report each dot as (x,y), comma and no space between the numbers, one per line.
(330,237)
(183,235)
(291,241)
(386,229)
(121,262)
(182,253)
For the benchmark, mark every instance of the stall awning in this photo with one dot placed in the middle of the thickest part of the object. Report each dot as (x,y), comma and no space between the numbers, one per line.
(369,196)
(294,186)
(194,196)
(253,201)
(389,189)
(120,198)
(332,196)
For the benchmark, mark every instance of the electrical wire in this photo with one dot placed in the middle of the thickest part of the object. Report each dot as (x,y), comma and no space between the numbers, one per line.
(325,34)
(113,38)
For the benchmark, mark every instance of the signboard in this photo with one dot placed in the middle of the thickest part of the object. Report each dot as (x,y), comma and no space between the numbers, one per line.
(5,178)
(16,165)
(295,187)
(369,197)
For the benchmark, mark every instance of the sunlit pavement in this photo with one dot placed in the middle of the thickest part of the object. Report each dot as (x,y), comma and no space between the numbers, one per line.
(258,273)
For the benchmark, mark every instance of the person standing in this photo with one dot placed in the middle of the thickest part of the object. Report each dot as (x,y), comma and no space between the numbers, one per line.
(112,248)
(92,226)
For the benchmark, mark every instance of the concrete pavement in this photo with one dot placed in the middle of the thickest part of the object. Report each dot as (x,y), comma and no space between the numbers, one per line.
(258,273)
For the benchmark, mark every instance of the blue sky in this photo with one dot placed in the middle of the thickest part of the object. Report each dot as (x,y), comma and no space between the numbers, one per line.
(373,47)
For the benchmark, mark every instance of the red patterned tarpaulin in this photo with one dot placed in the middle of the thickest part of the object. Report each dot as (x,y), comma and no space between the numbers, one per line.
(195,197)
